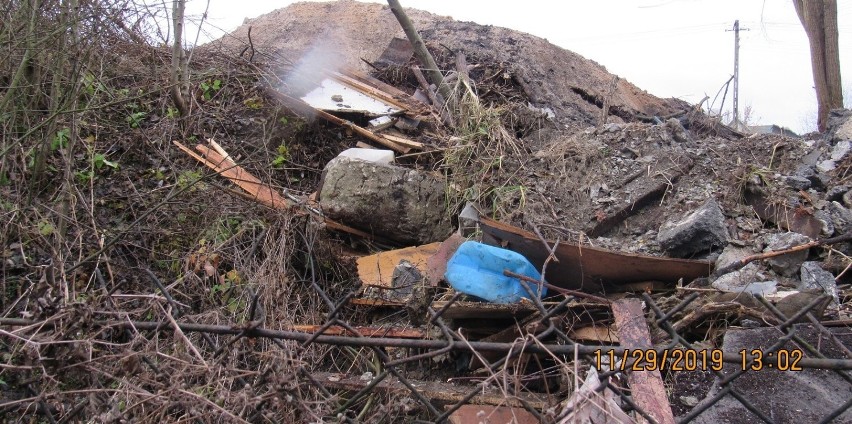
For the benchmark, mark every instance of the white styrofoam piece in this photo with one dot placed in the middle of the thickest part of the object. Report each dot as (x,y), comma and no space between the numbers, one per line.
(369,155)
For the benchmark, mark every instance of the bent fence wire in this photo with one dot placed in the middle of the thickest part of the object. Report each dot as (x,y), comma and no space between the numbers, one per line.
(549,339)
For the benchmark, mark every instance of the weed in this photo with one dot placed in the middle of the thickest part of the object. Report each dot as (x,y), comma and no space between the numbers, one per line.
(45,228)
(135,118)
(210,87)
(282,157)
(476,163)
(253,103)
(60,140)
(188,177)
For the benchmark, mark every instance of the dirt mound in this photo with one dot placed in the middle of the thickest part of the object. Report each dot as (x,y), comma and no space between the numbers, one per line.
(348,31)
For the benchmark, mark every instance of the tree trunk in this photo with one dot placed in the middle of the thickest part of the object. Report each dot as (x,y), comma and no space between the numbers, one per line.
(179,68)
(819,18)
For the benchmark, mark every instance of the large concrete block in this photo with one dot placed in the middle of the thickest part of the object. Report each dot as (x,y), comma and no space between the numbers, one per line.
(397,203)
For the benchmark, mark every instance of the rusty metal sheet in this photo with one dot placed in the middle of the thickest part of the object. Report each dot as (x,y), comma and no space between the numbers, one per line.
(491,415)
(647,387)
(436,265)
(798,220)
(397,53)
(590,268)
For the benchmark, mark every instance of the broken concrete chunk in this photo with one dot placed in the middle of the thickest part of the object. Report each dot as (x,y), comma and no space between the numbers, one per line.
(703,230)
(815,277)
(749,279)
(797,183)
(827,229)
(840,217)
(840,150)
(835,194)
(826,166)
(839,125)
(788,264)
(394,202)
(679,133)
(732,254)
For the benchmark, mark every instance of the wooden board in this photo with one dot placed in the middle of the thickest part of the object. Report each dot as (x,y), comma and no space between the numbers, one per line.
(377,270)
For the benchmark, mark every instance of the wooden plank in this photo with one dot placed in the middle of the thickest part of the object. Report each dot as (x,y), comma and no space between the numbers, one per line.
(239,176)
(647,388)
(485,414)
(403,141)
(377,270)
(594,333)
(433,390)
(589,268)
(410,103)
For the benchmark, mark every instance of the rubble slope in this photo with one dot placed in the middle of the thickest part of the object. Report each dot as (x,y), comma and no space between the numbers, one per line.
(347,31)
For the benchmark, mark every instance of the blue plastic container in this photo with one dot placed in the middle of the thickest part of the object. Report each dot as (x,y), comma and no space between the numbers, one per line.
(477,269)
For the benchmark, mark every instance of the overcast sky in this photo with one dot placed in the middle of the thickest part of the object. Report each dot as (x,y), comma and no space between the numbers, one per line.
(671,48)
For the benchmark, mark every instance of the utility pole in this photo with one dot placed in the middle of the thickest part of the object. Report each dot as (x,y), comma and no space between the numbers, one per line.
(736,120)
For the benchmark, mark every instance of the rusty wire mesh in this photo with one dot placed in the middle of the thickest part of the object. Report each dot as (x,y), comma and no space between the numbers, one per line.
(548,340)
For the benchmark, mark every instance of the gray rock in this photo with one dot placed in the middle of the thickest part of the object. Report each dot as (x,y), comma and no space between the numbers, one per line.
(840,217)
(812,157)
(787,265)
(839,126)
(748,279)
(732,254)
(807,171)
(826,166)
(805,396)
(797,183)
(679,133)
(841,149)
(847,199)
(393,202)
(702,230)
(835,194)
(815,277)
(827,229)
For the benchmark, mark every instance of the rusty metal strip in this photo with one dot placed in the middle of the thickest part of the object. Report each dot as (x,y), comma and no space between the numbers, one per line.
(648,390)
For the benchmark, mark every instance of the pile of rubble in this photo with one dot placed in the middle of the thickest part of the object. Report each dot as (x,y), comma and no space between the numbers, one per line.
(734,239)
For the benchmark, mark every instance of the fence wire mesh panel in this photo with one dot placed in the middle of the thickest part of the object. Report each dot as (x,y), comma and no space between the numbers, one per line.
(535,369)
